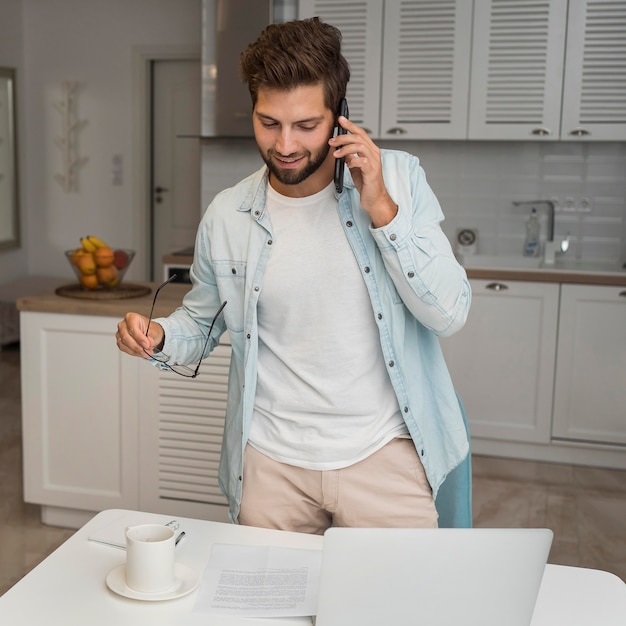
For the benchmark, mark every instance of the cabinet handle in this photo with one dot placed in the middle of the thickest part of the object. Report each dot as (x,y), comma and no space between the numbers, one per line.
(497,286)
(622,294)
(579,132)
(541,132)
(367,130)
(396,131)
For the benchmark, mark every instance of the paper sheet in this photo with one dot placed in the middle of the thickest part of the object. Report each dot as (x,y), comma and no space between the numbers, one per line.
(260,581)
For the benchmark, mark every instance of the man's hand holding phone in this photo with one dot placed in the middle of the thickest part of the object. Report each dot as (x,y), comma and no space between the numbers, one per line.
(362,156)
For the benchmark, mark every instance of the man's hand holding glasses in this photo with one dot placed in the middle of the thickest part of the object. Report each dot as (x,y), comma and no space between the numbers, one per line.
(140,336)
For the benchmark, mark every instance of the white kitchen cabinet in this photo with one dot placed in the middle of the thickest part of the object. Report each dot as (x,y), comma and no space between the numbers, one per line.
(409,62)
(590,386)
(502,362)
(105,430)
(182,420)
(484,69)
(548,70)
(594,89)
(360,22)
(80,416)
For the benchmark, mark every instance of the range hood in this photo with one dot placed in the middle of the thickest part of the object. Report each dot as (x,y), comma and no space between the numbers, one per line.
(228,27)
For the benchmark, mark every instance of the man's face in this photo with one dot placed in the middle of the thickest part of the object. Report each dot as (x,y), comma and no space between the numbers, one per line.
(292,129)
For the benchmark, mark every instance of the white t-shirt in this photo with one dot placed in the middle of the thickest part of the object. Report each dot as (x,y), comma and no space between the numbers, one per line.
(324,399)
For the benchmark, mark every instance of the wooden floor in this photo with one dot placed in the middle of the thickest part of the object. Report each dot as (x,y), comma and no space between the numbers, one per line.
(585,507)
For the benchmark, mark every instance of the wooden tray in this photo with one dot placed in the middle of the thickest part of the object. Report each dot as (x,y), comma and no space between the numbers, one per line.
(125,290)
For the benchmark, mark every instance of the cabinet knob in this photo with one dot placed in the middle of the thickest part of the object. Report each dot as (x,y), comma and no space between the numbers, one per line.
(497,287)
(396,131)
(579,132)
(541,132)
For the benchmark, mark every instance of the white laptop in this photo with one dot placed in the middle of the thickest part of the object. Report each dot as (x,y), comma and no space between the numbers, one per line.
(431,577)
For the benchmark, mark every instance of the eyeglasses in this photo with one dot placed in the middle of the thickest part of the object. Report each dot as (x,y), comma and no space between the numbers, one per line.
(161,357)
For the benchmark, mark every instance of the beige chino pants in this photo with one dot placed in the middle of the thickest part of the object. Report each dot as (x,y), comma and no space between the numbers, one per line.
(387,489)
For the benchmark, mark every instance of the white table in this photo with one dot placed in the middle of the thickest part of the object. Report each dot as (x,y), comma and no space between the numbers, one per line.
(69,587)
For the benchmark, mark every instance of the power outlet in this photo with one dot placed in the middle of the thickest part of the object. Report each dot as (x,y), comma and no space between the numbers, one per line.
(571,204)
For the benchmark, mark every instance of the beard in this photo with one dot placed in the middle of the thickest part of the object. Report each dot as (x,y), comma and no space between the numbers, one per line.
(295,177)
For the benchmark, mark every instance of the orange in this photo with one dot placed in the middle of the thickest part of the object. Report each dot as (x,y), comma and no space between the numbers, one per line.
(76,254)
(89,281)
(104,256)
(107,276)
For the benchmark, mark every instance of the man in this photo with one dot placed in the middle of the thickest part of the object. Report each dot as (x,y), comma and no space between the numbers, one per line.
(340,408)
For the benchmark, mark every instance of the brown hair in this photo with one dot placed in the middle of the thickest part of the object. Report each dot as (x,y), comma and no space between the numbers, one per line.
(302,52)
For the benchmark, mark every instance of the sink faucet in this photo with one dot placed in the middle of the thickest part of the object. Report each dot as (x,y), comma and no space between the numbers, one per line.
(551,247)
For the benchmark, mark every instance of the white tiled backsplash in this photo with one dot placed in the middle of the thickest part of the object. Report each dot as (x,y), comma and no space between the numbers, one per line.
(477,182)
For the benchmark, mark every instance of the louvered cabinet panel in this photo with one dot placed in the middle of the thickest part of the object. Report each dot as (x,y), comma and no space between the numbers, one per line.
(360,24)
(517,69)
(182,421)
(426,52)
(594,101)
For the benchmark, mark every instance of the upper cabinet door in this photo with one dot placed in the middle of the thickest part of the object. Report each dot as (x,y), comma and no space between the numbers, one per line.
(360,24)
(517,69)
(426,52)
(594,98)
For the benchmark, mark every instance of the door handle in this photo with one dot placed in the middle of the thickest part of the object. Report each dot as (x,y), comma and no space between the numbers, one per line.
(496,287)
(159,190)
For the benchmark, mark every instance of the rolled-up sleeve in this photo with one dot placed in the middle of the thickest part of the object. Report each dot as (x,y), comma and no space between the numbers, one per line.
(419,258)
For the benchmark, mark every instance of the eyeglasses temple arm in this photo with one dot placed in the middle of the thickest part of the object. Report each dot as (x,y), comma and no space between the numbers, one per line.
(208,337)
(156,293)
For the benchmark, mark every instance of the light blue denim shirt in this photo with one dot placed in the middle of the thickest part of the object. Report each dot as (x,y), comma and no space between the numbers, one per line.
(417,289)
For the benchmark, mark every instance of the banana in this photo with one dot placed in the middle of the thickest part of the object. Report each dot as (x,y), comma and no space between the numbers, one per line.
(97,242)
(88,246)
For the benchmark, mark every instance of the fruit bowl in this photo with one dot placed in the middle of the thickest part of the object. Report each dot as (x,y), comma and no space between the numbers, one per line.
(102,267)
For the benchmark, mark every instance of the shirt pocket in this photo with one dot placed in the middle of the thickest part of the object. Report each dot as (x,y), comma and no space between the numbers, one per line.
(230,277)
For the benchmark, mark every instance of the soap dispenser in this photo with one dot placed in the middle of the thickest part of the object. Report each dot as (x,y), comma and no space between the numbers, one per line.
(531,244)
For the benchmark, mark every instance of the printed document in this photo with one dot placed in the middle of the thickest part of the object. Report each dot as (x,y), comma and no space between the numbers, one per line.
(260,581)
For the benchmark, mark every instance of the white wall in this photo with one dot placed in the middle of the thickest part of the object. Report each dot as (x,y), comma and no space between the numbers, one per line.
(95,43)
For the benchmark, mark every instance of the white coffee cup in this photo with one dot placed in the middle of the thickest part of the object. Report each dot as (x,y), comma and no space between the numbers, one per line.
(150,558)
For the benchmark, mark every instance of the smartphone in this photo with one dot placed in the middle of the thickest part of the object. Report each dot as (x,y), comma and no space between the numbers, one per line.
(339,163)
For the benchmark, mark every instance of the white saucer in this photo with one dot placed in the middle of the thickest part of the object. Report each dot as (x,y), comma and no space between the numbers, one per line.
(186,581)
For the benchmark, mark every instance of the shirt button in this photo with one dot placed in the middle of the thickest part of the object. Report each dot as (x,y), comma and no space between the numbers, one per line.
(392,237)
(257,213)
(411,274)
(269,242)
(348,223)
(234,270)
(391,363)
(248,336)
(380,316)
(256,288)
(406,409)
(367,270)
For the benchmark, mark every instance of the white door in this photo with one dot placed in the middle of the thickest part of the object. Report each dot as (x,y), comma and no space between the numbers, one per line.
(176,206)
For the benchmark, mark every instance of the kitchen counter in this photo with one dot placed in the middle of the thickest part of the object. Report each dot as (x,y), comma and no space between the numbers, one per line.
(564,270)
(548,276)
(169,298)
